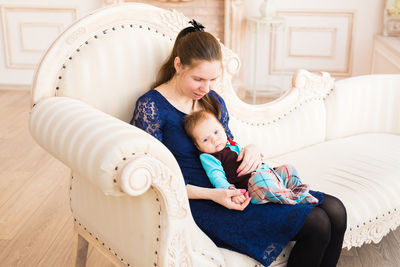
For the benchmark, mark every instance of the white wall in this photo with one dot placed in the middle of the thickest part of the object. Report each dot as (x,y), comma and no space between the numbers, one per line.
(386,56)
(28,28)
(334,36)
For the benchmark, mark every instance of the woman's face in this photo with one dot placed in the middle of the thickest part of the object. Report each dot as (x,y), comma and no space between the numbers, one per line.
(197,80)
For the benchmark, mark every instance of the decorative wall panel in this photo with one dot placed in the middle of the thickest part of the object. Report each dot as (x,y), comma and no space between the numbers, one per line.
(28,32)
(322,41)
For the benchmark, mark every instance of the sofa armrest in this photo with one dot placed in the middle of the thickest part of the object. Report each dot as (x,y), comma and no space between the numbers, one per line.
(96,145)
(295,120)
(363,104)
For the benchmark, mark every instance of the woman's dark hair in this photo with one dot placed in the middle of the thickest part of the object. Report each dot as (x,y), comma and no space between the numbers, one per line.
(191,45)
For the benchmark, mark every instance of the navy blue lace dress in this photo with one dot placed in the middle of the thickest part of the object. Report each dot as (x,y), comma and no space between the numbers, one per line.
(260,231)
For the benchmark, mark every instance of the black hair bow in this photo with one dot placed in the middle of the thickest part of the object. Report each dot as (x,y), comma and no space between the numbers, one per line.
(197,25)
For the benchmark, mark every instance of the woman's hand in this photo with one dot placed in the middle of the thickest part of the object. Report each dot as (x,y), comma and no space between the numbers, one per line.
(225,197)
(221,196)
(251,156)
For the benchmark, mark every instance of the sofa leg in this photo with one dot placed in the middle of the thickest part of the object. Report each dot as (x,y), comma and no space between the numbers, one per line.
(82,239)
(80,250)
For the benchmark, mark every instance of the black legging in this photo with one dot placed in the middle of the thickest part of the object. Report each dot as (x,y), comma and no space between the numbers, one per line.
(319,241)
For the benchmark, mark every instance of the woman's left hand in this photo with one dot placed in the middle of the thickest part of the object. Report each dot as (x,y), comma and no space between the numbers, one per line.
(251,156)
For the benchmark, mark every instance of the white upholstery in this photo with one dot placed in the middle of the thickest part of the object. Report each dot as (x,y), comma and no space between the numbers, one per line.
(127,189)
(91,142)
(113,91)
(294,121)
(362,171)
(364,104)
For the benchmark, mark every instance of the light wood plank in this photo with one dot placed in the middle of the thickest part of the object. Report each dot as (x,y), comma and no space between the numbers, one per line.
(32,242)
(18,209)
(19,145)
(60,252)
(349,258)
(97,259)
(397,234)
(33,159)
(16,107)
(386,253)
(11,182)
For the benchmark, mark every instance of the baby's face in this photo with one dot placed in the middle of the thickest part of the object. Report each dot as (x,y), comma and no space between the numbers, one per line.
(210,136)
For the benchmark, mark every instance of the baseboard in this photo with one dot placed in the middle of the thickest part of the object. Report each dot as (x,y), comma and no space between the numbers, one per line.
(16,87)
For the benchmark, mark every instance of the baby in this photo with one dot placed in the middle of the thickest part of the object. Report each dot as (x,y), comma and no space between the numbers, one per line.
(219,159)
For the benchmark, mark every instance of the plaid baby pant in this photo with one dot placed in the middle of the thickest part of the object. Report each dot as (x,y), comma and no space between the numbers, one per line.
(279,185)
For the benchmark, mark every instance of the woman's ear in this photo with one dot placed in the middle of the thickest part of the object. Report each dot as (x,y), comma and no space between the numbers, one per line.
(177,65)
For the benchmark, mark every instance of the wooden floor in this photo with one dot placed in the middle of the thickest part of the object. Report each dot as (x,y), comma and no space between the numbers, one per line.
(35,219)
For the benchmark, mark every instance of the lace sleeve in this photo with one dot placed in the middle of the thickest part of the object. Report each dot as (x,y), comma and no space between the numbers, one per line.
(224,113)
(147,117)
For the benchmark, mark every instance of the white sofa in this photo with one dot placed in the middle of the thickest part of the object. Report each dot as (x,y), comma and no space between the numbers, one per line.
(127,192)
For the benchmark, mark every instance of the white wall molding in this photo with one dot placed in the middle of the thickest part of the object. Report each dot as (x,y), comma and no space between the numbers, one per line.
(23,48)
(15,87)
(321,40)
(234,21)
(328,51)
(25,28)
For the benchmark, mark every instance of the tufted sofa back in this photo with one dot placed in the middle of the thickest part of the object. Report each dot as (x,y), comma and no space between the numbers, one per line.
(111,57)
(114,67)
(379,110)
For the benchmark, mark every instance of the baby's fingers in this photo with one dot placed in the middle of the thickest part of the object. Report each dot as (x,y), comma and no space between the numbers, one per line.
(236,200)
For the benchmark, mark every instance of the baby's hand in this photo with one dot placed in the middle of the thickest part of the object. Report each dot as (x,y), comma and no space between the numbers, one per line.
(239,199)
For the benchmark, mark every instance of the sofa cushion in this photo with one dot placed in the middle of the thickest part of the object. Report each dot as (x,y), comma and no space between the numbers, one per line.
(363,171)
(377,112)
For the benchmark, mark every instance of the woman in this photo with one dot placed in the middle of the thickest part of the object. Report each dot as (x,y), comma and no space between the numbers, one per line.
(185,85)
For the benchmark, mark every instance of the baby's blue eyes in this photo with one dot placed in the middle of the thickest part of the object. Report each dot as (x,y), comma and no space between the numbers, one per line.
(206,139)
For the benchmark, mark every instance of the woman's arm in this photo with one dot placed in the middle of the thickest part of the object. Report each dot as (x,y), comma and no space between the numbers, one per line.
(219,195)
(147,117)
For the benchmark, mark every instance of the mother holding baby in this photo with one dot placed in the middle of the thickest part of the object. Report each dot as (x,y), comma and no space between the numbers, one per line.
(184,85)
